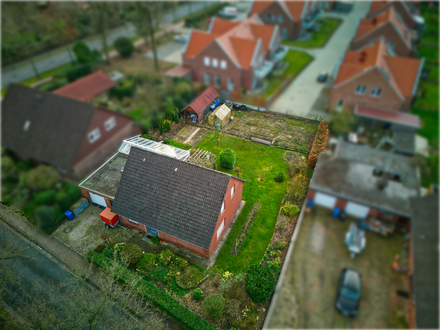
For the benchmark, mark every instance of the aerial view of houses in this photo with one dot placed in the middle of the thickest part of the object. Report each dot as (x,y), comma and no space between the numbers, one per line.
(219,165)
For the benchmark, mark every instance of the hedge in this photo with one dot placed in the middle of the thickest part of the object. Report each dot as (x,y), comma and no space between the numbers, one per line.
(195,18)
(152,293)
(319,143)
(78,71)
(124,46)
(125,88)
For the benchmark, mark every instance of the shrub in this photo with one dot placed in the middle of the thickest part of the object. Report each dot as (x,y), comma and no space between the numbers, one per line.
(227,158)
(279,177)
(297,189)
(260,282)
(132,253)
(166,125)
(124,46)
(146,263)
(45,197)
(190,277)
(46,216)
(9,170)
(155,240)
(83,53)
(78,71)
(166,141)
(42,177)
(125,88)
(282,245)
(74,192)
(290,209)
(214,305)
(63,200)
(198,294)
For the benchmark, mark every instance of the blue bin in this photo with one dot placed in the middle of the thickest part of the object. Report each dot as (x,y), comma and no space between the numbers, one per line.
(69,215)
(310,203)
(336,212)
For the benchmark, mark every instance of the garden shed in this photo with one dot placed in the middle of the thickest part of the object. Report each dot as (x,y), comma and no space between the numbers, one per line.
(200,106)
(220,116)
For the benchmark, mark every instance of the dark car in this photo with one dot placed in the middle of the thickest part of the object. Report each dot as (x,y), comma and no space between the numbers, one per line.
(349,290)
(322,78)
(240,107)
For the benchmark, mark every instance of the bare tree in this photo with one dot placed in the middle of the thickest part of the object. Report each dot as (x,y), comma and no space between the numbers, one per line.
(100,14)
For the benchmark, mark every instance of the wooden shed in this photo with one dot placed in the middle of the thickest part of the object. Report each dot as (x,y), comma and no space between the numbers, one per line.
(200,106)
(220,116)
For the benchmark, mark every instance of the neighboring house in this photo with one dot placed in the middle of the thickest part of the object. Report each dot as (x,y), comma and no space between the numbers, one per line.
(161,195)
(405,9)
(68,134)
(387,25)
(200,107)
(87,88)
(402,125)
(292,17)
(372,77)
(231,55)
(424,263)
(365,182)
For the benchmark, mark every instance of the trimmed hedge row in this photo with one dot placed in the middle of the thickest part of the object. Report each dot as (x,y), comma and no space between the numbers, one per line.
(319,143)
(160,298)
(194,19)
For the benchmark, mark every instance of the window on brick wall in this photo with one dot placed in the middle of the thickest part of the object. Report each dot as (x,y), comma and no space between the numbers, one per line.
(280,19)
(215,63)
(206,61)
(94,135)
(274,18)
(340,102)
(207,78)
(223,207)
(220,229)
(233,190)
(267,17)
(110,123)
(217,80)
(223,64)
(360,89)
(133,221)
(376,92)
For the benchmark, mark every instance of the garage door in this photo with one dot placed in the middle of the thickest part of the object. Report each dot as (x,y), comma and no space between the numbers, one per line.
(356,210)
(325,200)
(97,199)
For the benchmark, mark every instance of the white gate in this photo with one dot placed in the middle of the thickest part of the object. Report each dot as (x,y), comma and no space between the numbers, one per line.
(97,199)
(357,210)
(325,200)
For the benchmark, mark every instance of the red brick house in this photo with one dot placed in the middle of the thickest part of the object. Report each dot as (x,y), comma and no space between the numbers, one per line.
(231,55)
(387,25)
(373,77)
(200,106)
(68,134)
(406,10)
(187,205)
(292,17)
(86,88)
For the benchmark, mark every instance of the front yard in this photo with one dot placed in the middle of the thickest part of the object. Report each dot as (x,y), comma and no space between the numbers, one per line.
(319,38)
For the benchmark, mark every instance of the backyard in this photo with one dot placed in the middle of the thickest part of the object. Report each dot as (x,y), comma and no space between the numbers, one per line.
(318,39)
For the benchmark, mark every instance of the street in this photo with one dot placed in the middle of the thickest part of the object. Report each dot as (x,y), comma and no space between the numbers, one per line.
(62,57)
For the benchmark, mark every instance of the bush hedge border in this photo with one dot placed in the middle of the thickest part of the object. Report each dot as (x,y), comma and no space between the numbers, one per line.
(152,293)
(319,143)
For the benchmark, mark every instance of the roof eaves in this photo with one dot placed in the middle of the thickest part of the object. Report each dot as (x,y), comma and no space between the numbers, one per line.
(395,88)
(257,48)
(187,43)
(275,32)
(258,19)
(80,185)
(416,82)
(229,55)
(355,76)
(371,31)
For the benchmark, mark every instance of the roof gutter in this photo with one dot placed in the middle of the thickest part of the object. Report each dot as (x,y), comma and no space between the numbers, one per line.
(418,76)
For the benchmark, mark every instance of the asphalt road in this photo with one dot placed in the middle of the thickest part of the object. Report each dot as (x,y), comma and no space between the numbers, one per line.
(63,57)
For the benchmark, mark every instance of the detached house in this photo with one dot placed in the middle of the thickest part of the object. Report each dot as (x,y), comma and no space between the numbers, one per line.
(153,189)
(406,10)
(389,27)
(292,17)
(231,55)
(68,134)
(87,88)
(373,77)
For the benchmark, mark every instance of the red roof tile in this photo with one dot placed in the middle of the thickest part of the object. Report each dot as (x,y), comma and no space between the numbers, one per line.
(200,103)
(258,7)
(294,8)
(388,115)
(405,71)
(242,48)
(377,5)
(220,26)
(197,42)
(87,88)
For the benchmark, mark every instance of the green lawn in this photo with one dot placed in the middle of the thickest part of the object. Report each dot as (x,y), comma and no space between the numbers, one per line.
(430,123)
(297,62)
(318,39)
(255,160)
(429,100)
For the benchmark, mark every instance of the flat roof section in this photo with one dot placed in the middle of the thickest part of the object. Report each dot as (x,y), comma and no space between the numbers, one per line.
(400,118)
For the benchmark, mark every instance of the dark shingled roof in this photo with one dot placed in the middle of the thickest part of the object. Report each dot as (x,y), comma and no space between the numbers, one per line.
(425,246)
(178,198)
(56,125)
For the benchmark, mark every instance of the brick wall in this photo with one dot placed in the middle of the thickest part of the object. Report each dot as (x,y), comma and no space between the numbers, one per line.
(85,193)
(136,226)
(389,99)
(291,26)
(184,245)
(390,34)
(401,10)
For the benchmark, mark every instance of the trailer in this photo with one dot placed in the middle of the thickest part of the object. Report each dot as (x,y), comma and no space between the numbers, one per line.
(110,219)
(355,239)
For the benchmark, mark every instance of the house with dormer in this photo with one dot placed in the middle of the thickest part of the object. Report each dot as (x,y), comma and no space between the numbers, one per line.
(406,10)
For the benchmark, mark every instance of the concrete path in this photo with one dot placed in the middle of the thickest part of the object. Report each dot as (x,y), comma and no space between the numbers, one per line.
(19,72)
(299,97)
(191,136)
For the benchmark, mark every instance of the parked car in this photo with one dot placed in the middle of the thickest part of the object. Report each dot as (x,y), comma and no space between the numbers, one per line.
(183,38)
(349,290)
(323,76)
(238,106)
(228,12)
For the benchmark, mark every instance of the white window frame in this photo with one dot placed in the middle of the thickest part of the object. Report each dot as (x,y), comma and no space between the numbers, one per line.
(94,135)
(360,89)
(206,61)
(110,123)
(207,77)
(219,82)
(232,190)
(376,92)
(133,221)
(220,229)
(230,84)
(215,63)
(280,19)
(223,64)
(223,207)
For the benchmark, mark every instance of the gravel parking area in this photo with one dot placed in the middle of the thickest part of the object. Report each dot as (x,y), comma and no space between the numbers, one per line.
(307,295)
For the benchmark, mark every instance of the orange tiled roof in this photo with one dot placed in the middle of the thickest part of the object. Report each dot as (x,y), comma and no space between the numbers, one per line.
(221,26)
(355,62)
(294,8)
(377,5)
(239,41)
(87,88)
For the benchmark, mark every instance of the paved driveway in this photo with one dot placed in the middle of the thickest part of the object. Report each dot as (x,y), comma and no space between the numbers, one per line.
(298,99)
(307,294)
